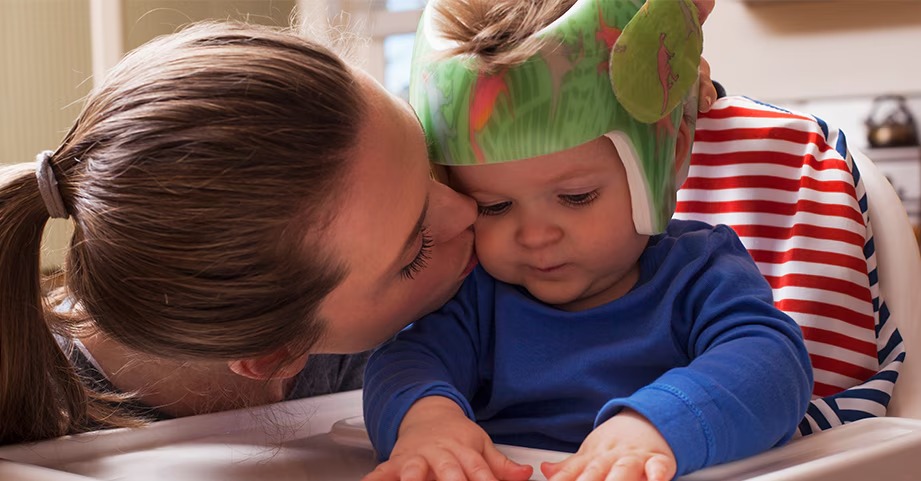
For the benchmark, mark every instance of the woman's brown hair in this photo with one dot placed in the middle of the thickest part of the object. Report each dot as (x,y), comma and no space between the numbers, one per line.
(498,33)
(199,177)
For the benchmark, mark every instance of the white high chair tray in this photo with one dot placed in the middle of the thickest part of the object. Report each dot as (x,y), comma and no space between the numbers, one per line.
(301,440)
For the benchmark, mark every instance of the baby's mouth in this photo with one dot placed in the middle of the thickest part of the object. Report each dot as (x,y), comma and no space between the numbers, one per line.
(549,269)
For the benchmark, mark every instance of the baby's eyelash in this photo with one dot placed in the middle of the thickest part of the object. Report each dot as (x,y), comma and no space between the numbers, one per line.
(421,260)
(579,200)
(493,209)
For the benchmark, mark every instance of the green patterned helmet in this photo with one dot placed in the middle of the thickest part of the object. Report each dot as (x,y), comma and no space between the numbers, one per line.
(623,69)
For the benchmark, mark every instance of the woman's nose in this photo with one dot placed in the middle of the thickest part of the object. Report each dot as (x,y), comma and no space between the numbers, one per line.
(454,211)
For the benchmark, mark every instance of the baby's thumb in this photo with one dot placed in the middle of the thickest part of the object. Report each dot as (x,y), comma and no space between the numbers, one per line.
(504,468)
(660,468)
(550,469)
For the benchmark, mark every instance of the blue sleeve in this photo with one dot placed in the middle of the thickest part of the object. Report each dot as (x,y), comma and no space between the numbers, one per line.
(749,380)
(435,356)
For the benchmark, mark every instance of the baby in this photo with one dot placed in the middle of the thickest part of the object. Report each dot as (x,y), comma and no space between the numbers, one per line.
(650,347)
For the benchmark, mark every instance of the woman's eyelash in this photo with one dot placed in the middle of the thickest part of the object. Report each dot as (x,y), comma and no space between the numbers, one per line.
(493,209)
(421,260)
(579,200)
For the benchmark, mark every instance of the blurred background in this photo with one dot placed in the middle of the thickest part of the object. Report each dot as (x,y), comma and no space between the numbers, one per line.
(854,63)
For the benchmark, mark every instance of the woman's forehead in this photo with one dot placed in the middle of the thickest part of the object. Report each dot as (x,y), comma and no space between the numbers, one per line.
(387,187)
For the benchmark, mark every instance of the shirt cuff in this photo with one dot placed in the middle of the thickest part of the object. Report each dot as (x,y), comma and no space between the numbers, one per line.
(391,426)
(681,421)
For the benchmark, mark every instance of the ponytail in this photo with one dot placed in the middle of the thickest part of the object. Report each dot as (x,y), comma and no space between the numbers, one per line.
(41,395)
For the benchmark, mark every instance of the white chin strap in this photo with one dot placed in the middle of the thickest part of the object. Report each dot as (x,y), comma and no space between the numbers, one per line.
(636,180)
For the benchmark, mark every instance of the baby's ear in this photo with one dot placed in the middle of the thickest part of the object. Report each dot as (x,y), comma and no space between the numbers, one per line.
(276,365)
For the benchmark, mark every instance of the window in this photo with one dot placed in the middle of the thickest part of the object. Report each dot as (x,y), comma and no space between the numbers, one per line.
(397,58)
(390,25)
(402,5)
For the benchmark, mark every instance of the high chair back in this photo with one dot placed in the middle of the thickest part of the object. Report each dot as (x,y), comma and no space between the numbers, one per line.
(787,184)
(899,261)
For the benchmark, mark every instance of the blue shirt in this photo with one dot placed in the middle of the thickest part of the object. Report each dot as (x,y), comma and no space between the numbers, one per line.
(697,347)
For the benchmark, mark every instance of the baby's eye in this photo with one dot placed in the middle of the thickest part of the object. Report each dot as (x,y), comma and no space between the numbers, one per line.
(577,200)
(494,209)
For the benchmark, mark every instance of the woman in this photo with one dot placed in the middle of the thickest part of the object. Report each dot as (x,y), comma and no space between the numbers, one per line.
(235,221)
(230,216)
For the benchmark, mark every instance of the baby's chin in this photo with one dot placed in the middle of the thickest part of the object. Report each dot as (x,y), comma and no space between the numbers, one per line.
(558,298)
(557,294)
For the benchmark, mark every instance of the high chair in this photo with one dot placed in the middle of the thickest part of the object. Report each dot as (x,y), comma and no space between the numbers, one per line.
(832,238)
(899,278)
(823,225)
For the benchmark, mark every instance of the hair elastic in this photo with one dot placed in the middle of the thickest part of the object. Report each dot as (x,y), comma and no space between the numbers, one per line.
(48,186)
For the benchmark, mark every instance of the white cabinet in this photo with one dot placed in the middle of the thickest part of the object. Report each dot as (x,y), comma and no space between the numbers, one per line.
(902,166)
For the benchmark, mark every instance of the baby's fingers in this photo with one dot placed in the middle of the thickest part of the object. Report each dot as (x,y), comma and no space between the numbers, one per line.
(474,466)
(611,467)
(707,93)
(448,468)
(550,469)
(504,468)
(627,468)
(660,468)
(565,470)
(407,469)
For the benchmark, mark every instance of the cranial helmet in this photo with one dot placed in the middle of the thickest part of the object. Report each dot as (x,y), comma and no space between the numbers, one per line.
(623,69)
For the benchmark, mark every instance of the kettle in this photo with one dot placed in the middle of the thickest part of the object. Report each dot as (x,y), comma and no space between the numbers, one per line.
(897,127)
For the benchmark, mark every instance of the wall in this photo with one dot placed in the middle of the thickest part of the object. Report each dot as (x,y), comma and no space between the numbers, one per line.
(826,57)
(146,19)
(46,65)
(810,49)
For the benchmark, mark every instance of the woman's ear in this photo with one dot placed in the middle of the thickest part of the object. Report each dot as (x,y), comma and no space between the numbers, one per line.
(276,365)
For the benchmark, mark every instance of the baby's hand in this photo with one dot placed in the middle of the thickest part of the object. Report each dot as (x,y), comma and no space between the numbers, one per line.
(626,447)
(707,94)
(704,7)
(437,441)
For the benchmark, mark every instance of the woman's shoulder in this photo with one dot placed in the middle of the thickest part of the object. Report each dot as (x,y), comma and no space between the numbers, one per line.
(85,366)
(93,377)
(329,373)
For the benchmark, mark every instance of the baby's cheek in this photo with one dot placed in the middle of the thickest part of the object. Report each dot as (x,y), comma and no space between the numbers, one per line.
(492,247)
(481,231)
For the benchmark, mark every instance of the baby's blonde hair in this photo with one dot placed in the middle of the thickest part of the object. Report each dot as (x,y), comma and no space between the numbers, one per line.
(498,33)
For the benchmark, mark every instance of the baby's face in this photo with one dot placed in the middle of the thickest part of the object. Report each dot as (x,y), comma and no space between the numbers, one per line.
(559,225)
